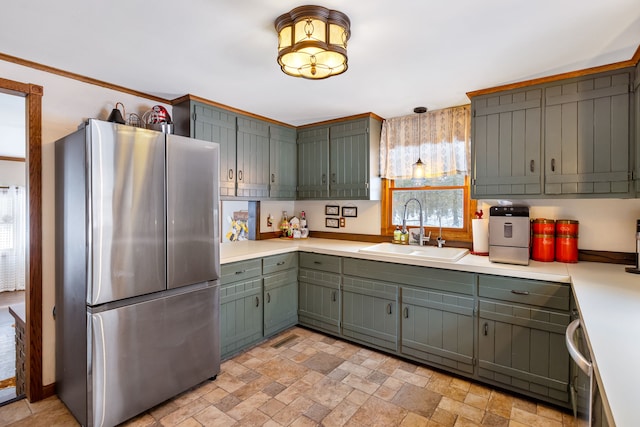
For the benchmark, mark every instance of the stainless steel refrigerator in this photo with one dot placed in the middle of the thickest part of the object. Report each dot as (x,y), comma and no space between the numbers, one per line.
(137,269)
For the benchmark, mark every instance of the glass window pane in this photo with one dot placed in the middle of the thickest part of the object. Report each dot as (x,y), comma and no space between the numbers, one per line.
(445,205)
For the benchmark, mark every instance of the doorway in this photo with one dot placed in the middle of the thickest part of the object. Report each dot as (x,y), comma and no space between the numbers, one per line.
(32,333)
(13,233)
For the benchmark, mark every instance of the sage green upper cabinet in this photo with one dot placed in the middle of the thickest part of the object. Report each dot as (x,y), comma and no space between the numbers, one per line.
(506,143)
(580,128)
(587,135)
(313,163)
(339,160)
(252,161)
(245,154)
(283,167)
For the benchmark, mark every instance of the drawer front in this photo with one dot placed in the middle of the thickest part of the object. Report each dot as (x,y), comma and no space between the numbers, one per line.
(240,270)
(320,262)
(279,262)
(524,291)
(426,277)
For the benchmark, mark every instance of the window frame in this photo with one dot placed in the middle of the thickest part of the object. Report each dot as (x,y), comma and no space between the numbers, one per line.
(452,234)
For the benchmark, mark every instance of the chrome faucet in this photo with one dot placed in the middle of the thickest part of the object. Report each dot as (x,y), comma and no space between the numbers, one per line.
(440,240)
(422,239)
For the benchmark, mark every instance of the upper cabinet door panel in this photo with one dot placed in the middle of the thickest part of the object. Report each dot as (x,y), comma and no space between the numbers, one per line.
(587,137)
(283,175)
(217,125)
(252,158)
(506,143)
(349,160)
(313,163)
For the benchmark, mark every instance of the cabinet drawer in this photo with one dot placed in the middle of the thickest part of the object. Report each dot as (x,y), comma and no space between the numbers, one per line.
(320,262)
(524,291)
(432,278)
(279,262)
(240,270)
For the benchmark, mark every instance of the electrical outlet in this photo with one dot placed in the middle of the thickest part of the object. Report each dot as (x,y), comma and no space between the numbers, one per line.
(342,222)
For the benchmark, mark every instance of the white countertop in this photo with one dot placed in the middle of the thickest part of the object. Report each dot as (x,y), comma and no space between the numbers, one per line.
(608,299)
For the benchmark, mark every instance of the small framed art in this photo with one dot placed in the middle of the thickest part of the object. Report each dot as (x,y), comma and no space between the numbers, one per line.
(332,210)
(332,222)
(349,211)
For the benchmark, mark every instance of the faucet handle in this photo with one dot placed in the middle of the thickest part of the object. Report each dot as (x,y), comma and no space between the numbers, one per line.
(440,241)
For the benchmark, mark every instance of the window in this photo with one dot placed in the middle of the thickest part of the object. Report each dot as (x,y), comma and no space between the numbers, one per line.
(441,140)
(445,202)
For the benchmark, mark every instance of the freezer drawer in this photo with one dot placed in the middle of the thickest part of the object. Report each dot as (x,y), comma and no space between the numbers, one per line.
(145,353)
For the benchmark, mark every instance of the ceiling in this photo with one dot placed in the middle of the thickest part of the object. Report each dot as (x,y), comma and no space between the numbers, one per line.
(402,54)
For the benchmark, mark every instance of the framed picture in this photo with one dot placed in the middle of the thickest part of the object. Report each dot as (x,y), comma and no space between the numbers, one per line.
(332,222)
(331,210)
(349,211)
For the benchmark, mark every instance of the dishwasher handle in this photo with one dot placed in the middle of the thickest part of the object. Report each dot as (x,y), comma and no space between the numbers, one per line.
(575,354)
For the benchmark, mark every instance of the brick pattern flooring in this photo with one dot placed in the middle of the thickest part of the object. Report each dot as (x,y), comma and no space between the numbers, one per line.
(302,378)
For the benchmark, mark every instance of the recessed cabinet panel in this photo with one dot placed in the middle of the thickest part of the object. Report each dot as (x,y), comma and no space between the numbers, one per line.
(313,163)
(252,148)
(283,163)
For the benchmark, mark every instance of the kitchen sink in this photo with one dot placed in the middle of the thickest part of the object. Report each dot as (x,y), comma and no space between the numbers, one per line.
(430,253)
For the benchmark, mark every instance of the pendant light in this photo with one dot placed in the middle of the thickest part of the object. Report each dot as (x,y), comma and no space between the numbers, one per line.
(418,172)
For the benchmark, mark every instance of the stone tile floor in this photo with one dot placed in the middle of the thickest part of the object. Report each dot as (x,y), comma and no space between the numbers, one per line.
(302,378)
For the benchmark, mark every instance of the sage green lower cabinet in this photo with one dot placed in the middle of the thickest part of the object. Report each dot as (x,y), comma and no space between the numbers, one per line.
(280,301)
(522,346)
(437,327)
(319,296)
(240,306)
(369,312)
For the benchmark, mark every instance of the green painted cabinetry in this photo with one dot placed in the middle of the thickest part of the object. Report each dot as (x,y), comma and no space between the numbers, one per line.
(241,310)
(506,143)
(571,137)
(521,342)
(636,109)
(319,293)
(339,160)
(283,162)
(280,292)
(257,158)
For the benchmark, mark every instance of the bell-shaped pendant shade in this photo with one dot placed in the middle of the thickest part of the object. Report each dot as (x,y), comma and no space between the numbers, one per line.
(418,170)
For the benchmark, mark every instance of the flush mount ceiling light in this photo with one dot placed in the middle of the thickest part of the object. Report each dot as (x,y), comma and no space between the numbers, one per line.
(312,42)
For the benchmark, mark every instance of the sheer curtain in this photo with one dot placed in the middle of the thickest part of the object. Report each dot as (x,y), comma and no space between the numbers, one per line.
(440,138)
(13,234)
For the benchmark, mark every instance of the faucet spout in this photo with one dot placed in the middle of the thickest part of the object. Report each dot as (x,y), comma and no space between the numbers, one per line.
(422,238)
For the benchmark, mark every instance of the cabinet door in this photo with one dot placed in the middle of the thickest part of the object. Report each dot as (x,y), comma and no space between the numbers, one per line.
(587,135)
(636,92)
(252,158)
(349,160)
(240,315)
(437,327)
(280,301)
(313,163)
(283,162)
(217,125)
(369,312)
(524,348)
(506,143)
(319,300)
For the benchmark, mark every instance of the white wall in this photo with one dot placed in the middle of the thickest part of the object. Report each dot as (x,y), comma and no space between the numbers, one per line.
(12,173)
(65,105)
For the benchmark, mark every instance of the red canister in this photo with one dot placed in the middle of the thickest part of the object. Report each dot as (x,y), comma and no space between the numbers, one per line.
(542,239)
(566,240)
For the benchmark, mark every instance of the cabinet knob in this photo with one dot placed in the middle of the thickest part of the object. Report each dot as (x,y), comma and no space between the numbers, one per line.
(257,302)
(239,175)
(268,297)
(281,263)
(333,296)
(532,166)
(230,174)
(273,177)
(324,178)
(486,329)
(553,165)
(241,271)
(406,312)
(389,308)
(517,292)
(333,178)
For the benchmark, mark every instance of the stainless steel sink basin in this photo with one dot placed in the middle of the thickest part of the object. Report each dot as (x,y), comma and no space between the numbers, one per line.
(430,253)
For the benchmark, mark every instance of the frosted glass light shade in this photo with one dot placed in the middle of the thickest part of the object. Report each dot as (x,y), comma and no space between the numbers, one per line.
(312,42)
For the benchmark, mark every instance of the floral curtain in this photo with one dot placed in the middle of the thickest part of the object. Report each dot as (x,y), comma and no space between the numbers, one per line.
(439,138)
(13,234)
